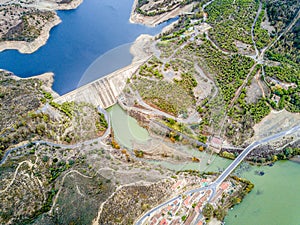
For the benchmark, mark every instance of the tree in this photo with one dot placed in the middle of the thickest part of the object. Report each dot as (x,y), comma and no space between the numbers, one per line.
(208,210)
(219,213)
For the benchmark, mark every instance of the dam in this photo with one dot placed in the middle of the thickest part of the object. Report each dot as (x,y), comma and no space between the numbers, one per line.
(104,91)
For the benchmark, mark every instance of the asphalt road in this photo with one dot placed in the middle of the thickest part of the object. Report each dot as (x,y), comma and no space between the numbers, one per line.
(247,150)
(213,186)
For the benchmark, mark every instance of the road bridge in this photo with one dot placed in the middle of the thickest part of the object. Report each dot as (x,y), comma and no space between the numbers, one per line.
(247,150)
(214,186)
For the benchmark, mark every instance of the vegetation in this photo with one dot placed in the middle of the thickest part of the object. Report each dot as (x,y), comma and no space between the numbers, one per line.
(230,71)
(35,192)
(227,155)
(244,115)
(27,30)
(29,119)
(102,123)
(282,12)
(169,97)
(261,36)
(231,21)
(208,210)
(151,68)
(151,8)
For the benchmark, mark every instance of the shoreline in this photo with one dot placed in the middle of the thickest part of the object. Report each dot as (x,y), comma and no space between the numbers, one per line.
(140,50)
(47,79)
(153,21)
(73,5)
(30,47)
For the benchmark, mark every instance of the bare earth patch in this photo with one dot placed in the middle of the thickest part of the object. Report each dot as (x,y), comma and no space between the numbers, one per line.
(275,122)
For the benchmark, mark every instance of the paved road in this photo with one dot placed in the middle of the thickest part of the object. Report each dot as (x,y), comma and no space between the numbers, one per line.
(247,150)
(214,186)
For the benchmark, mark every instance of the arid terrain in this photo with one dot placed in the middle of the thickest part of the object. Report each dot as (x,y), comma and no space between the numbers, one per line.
(25,25)
(222,79)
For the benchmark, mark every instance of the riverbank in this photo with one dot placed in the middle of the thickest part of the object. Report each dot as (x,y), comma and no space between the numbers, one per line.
(46,78)
(153,21)
(68,6)
(140,48)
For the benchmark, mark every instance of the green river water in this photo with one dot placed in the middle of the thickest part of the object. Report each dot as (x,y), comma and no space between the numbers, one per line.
(126,128)
(275,199)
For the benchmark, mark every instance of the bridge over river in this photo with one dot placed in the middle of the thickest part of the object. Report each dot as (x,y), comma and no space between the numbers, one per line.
(214,185)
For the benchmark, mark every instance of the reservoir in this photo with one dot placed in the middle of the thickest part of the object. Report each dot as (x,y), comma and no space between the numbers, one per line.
(85,35)
(100,30)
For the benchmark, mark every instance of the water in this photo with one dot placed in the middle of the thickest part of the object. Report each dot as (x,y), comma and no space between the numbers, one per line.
(85,34)
(126,129)
(107,63)
(274,199)
(218,164)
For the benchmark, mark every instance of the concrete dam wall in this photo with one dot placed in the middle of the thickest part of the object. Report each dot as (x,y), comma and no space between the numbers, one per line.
(104,91)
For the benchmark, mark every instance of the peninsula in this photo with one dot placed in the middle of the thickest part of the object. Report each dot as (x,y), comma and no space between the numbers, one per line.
(26,25)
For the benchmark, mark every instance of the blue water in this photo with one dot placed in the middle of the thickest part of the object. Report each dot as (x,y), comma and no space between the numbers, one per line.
(85,33)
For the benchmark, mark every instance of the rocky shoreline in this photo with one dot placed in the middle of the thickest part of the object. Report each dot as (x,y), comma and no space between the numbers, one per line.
(30,47)
(153,21)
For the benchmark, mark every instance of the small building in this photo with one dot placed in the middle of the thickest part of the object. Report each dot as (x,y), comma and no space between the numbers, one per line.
(224,185)
(187,201)
(163,222)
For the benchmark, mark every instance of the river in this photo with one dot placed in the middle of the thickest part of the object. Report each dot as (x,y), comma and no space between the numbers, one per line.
(85,34)
(100,26)
(126,129)
(274,199)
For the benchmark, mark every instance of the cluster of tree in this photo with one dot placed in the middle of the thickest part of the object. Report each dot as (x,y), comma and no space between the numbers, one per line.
(261,36)
(227,155)
(160,7)
(284,72)
(101,124)
(188,82)
(282,12)
(289,98)
(66,107)
(283,154)
(230,70)
(25,30)
(231,20)
(151,68)
(169,97)
(183,24)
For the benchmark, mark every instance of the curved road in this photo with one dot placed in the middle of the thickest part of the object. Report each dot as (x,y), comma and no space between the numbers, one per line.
(214,186)
(107,132)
